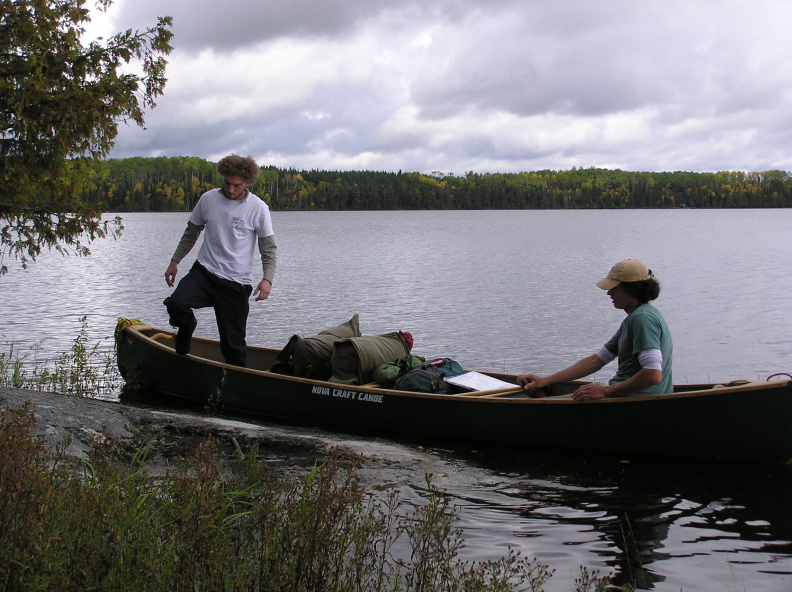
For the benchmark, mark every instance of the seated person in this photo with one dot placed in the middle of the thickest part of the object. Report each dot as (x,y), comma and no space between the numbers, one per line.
(642,344)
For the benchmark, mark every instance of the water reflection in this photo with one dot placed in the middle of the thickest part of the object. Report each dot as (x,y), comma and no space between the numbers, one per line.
(661,524)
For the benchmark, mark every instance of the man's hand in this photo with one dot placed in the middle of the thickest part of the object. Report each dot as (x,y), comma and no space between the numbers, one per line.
(530,382)
(637,383)
(170,273)
(589,391)
(262,291)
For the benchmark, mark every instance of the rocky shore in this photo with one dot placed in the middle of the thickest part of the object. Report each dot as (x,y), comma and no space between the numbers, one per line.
(174,434)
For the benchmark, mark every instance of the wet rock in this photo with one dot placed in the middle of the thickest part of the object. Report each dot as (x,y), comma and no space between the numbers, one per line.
(173,434)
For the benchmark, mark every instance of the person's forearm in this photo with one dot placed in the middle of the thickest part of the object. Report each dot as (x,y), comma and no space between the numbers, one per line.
(584,367)
(637,383)
(268,251)
(187,241)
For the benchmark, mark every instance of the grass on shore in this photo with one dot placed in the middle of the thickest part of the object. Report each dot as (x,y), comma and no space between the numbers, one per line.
(83,371)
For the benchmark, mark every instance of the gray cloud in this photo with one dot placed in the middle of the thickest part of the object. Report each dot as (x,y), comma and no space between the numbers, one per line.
(240,23)
(462,85)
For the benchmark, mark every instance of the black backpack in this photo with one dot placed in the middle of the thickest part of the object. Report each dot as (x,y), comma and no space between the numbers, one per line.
(428,377)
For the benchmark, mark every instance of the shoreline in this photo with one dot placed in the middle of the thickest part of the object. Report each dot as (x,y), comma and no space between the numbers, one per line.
(175,434)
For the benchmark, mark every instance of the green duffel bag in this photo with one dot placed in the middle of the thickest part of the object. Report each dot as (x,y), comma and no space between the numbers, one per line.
(309,357)
(387,373)
(355,359)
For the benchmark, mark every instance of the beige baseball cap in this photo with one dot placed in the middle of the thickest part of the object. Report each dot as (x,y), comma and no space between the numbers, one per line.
(629,270)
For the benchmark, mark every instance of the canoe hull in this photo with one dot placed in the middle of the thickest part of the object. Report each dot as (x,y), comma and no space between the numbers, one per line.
(751,422)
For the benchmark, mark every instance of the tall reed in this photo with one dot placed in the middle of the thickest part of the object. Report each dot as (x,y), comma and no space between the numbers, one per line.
(84,370)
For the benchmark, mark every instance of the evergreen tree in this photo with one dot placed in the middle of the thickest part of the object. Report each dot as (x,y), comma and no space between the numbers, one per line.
(60,105)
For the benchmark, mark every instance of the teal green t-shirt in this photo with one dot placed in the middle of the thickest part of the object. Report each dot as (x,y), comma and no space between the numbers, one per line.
(643,328)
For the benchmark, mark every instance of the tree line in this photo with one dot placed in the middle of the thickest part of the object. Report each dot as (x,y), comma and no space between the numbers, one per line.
(174,184)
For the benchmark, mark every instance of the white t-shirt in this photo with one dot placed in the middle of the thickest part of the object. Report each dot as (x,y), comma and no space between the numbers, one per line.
(232,230)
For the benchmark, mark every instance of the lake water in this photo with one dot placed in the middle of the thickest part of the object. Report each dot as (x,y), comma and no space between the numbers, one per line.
(510,291)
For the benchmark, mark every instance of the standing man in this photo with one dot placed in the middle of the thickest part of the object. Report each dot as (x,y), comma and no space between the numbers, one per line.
(235,221)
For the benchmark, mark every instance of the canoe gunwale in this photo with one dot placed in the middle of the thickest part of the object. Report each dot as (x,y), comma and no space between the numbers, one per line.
(495,396)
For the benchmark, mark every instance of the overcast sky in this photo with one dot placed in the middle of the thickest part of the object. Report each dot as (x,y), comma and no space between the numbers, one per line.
(472,85)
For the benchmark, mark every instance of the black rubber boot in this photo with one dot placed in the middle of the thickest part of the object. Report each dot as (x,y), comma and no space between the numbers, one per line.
(184,337)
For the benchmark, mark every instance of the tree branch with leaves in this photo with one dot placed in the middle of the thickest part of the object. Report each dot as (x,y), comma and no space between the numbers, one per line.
(60,106)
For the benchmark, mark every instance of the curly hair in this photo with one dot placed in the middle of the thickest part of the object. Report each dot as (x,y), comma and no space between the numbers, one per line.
(238,166)
(644,290)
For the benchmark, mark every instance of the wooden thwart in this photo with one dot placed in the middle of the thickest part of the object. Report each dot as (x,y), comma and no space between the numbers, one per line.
(493,393)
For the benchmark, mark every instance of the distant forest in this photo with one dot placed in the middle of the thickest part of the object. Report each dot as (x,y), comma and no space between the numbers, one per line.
(173,184)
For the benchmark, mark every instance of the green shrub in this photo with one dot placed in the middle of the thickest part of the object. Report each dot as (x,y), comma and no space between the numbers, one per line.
(98,527)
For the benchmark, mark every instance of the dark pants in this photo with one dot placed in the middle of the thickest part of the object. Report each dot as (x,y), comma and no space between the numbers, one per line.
(199,289)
